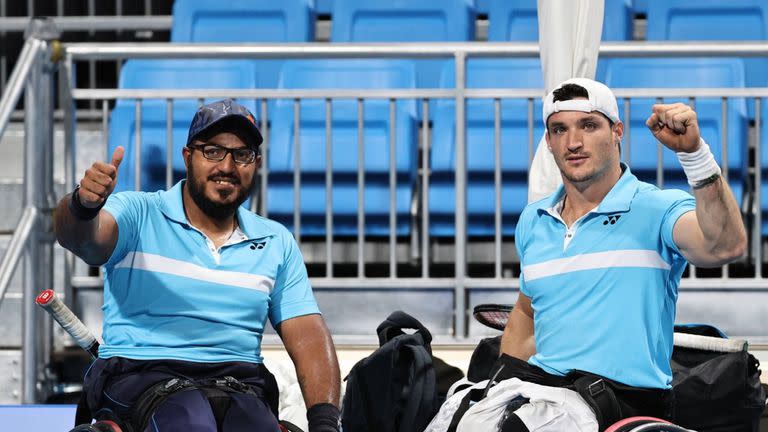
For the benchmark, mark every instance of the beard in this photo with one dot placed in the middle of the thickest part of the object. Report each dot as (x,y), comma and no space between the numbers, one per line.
(597,170)
(214,209)
(578,178)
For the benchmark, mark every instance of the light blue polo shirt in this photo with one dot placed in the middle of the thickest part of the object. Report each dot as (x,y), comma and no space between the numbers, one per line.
(167,295)
(603,292)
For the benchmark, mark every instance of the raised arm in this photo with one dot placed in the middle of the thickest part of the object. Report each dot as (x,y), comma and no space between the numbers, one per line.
(80,224)
(310,346)
(518,340)
(714,234)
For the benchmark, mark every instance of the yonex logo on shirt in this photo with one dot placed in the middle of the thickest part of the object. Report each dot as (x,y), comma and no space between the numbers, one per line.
(258,245)
(611,219)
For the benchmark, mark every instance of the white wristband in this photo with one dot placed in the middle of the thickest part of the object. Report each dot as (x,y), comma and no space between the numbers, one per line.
(700,165)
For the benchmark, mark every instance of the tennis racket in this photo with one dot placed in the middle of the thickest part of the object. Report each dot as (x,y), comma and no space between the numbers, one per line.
(492,315)
(49,301)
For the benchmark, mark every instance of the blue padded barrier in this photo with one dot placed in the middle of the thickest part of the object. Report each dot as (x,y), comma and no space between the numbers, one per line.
(517,20)
(484,73)
(713,20)
(238,21)
(37,417)
(406,21)
(158,74)
(682,73)
(340,74)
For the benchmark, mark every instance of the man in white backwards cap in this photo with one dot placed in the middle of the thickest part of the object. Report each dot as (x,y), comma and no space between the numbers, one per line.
(601,262)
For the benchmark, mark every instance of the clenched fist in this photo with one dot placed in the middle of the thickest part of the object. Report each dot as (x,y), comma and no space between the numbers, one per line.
(99,181)
(675,126)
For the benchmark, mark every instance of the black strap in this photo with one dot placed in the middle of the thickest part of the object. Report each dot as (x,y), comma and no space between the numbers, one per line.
(601,398)
(513,424)
(473,395)
(147,403)
(151,399)
(219,400)
(422,394)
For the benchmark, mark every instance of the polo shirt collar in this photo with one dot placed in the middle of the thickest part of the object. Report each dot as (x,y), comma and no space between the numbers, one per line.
(172,206)
(618,199)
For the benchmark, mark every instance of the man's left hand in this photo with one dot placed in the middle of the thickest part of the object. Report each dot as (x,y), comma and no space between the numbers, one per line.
(675,126)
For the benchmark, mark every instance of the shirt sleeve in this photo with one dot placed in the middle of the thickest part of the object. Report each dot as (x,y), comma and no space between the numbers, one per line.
(292,295)
(127,209)
(677,203)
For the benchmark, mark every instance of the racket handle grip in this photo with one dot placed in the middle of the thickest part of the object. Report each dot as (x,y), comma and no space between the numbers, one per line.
(49,301)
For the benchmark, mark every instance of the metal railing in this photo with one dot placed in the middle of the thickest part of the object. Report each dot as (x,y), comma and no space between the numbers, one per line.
(36,71)
(33,75)
(89,23)
(460,282)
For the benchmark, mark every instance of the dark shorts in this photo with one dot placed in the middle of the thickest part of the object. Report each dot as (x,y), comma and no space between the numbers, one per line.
(116,383)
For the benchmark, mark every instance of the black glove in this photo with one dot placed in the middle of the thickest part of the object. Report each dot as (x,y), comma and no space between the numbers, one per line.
(323,417)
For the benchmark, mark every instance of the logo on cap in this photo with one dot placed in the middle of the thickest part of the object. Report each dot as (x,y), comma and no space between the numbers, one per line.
(214,112)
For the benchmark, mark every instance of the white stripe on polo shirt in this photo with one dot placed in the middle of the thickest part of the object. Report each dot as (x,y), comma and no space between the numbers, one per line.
(598,260)
(161,264)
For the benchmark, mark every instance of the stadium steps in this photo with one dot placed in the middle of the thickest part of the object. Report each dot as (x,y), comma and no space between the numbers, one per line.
(11,197)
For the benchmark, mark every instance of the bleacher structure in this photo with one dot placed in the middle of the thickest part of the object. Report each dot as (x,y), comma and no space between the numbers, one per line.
(397,153)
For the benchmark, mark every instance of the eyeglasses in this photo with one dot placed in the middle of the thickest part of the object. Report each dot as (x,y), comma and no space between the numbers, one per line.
(242,155)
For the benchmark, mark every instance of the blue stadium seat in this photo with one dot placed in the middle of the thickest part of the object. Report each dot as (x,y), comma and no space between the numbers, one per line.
(243,21)
(324,6)
(405,21)
(517,20)
(201,21)
(686,20)
(676,73)
(484,73)
(640,6)
(339,74)
(764,163)
(158,74)
(237,21)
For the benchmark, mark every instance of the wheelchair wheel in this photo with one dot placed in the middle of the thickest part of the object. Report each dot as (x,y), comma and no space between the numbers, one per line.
(99,426)
(645,424)
(286,426)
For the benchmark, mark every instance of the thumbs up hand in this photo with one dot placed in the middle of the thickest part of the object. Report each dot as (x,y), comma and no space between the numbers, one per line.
(100,180)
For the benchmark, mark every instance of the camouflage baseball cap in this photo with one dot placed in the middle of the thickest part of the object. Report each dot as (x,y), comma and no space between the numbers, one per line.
(215,112)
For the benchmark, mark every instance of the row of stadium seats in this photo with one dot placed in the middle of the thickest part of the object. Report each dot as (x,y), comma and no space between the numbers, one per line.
(371,20)
(439,20)
(367,21)
(516,20)
(454,20)
(484,6)
(481,73)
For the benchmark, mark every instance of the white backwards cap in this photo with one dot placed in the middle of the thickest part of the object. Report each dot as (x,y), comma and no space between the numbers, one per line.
(601,99)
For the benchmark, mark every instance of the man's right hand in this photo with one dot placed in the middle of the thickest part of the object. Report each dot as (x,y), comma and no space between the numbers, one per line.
(99,180)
